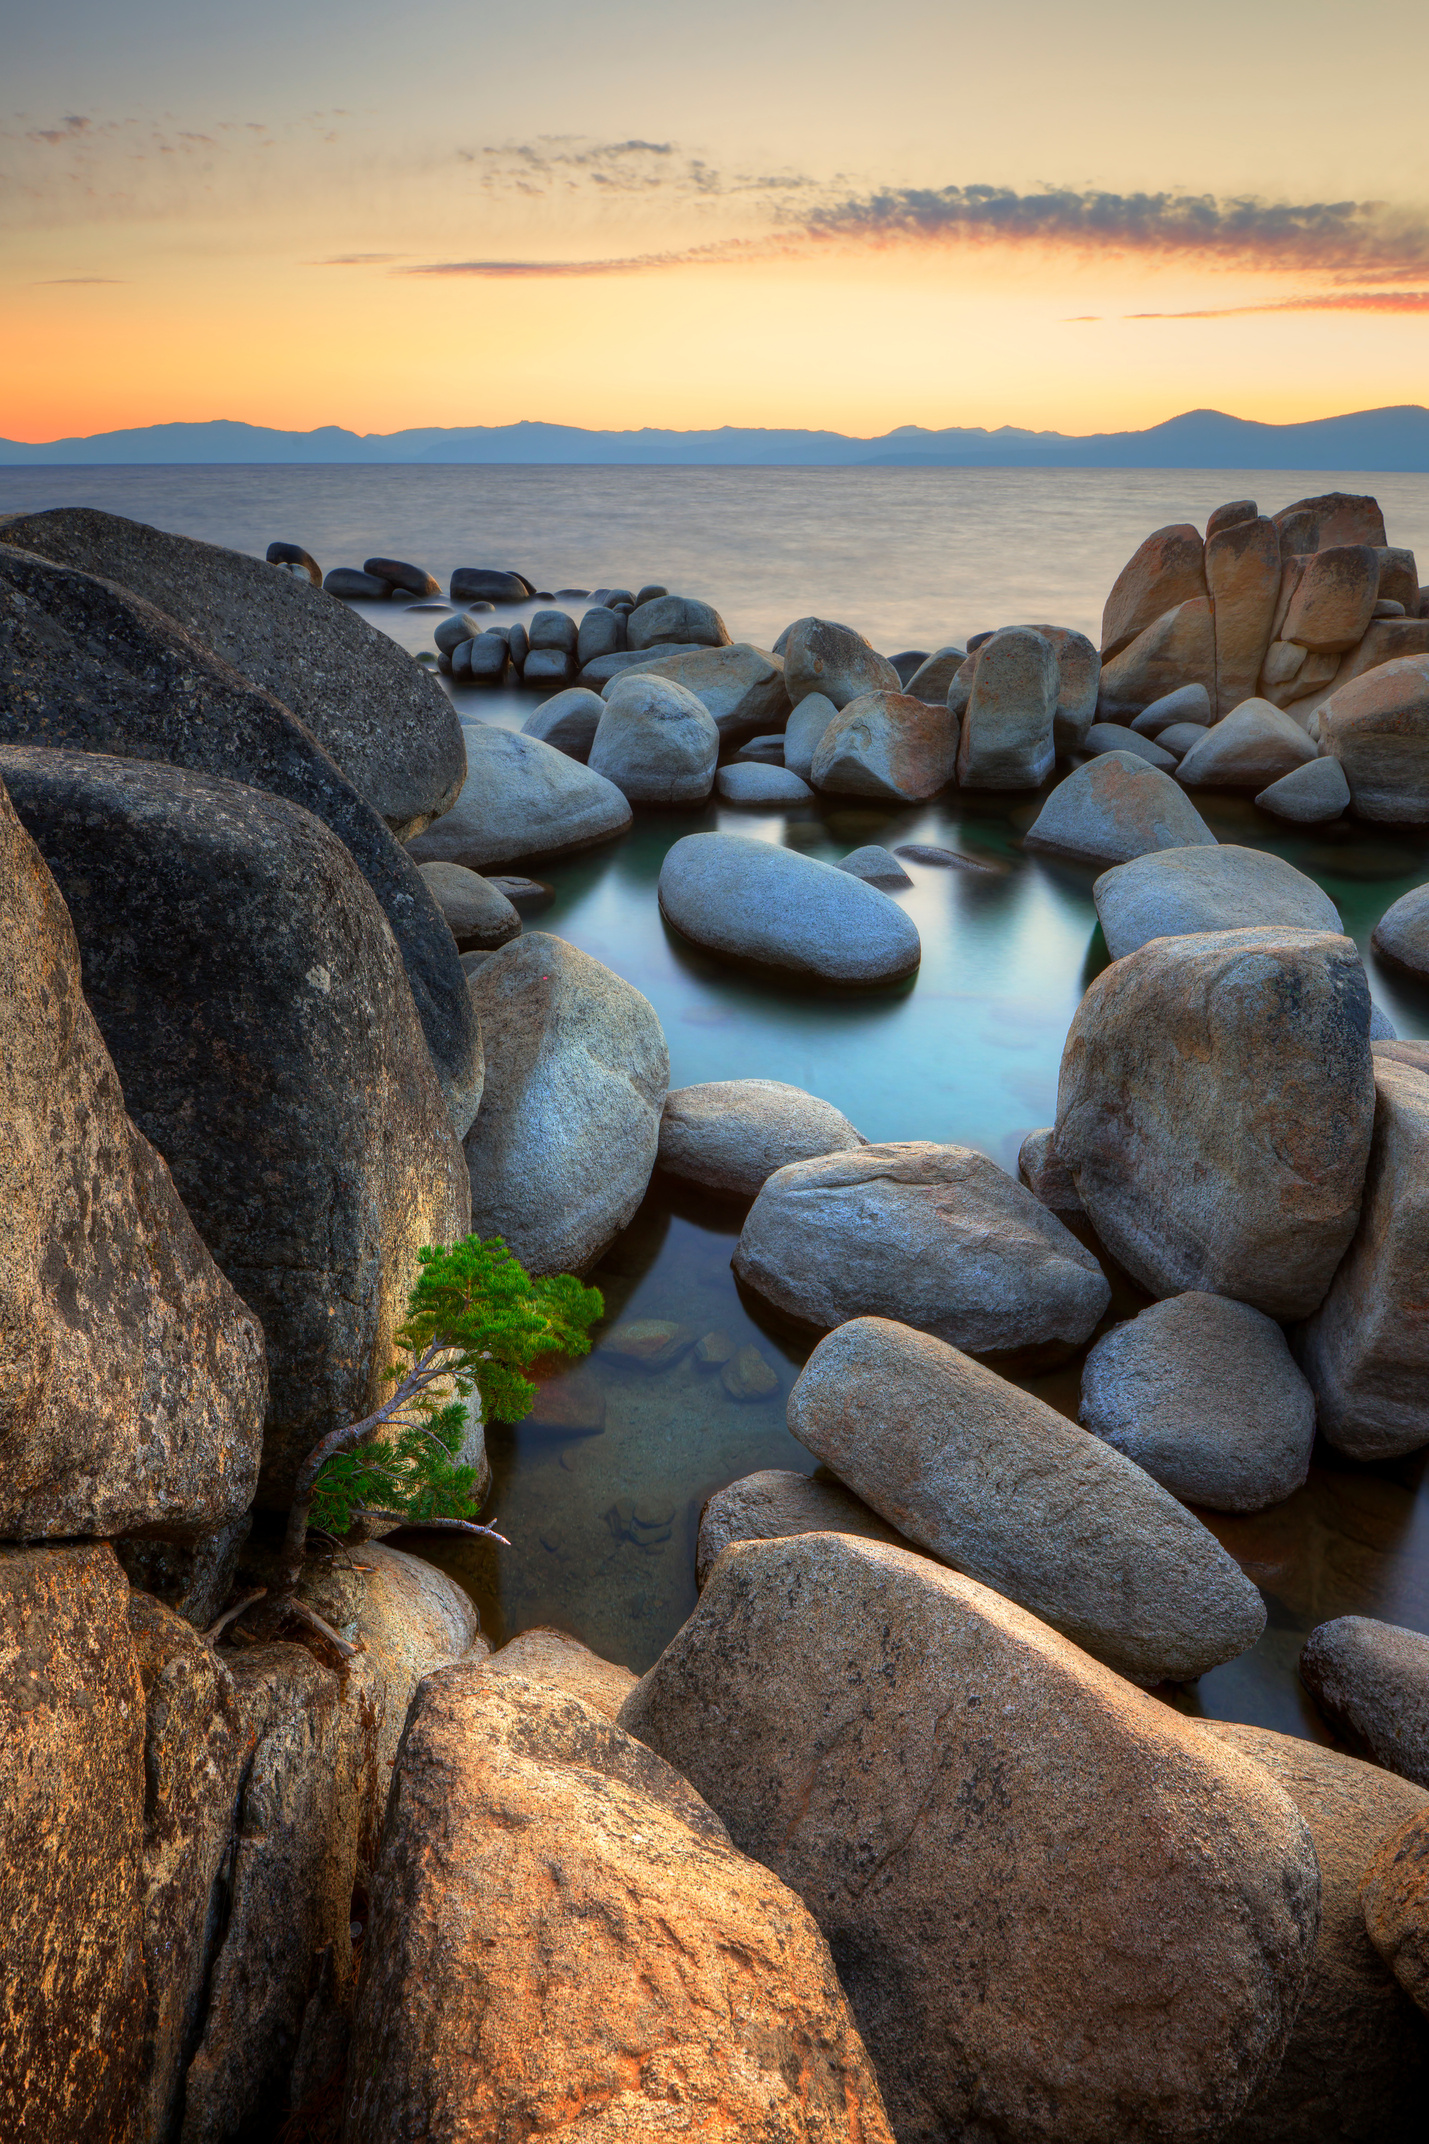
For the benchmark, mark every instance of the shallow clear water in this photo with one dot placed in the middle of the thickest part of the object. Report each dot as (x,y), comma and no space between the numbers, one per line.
(603,1526)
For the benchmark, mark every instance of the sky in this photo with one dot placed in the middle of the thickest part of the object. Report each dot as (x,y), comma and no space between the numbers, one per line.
(753,212)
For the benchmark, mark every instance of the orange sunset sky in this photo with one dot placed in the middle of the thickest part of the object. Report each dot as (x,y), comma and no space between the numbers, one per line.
(782,214)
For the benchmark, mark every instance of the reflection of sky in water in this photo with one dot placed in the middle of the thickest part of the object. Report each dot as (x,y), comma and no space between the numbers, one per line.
(603,1526)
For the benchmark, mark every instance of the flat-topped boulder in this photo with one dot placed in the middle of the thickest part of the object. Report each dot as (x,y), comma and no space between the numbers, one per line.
(937,1236)
(1001,1487)
(576,1076)
(1173,892)
(903,1747)
(749,901)
(136,1382)
(1116,807)
(522,798)
(730,1135)
(387,724)
(564,1941)
(256,1008)
(1215,1107)
(94,668)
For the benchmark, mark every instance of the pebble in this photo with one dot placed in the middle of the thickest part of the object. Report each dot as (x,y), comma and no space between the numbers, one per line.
(876,866)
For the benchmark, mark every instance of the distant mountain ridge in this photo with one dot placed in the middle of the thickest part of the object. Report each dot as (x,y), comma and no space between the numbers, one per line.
(1371,440)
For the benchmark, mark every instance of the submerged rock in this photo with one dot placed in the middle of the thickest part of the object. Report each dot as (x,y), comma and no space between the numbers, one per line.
(390,727)
(135,1379)
(937,1236)
(255,1006)
(577,1071)
(1172,893)
(1204,1394)
(522,798)
(748,900)
(732,1134)
(1215,1106)
(1116,807)
(995,1483)
(904,1746)
(560,1924)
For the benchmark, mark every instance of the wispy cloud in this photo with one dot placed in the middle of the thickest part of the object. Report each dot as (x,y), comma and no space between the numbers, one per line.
(52,282)
(1327,301)
(356,260)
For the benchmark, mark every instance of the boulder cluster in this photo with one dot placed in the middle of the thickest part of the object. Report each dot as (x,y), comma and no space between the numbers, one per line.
(900,1837)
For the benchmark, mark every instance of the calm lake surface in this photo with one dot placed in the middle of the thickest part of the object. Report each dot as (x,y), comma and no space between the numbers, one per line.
(603,1527)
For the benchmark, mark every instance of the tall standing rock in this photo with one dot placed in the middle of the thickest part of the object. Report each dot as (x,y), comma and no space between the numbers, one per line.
(1366,1349)
(389,726)
(135,1383)
(72,1983)
(1215,1107)
(577,1073)
(1060,1912)
(1243,581)
(564,1944)
(93,668)
(1168,569)
(1007,733)
(257,1011)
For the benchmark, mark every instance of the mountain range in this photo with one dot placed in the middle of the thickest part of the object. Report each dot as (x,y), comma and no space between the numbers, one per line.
(1371,441)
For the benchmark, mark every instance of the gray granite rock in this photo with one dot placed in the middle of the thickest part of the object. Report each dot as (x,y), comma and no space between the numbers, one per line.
(748,900)
(682,619)
(834,661)
(1116,807)
(1402,932)
(1114,737)
(878,867)
(600,632)
(93,668)
(1371,1681)
(1007,740)
(1188,703)
(255,1005)
(1173,892)
(388,725)
(1215,1107)
(804,730)
(351,585)
(937,1236)
(887,745)
(1310,795)
(775,1506)
(730,1135)
(478,914)
(1247,749)
(1204,1394)
(1062,1913)
(1180,737)
(1001,1487)
(522,798)
(1047,1176)
(655,742)
(740,687)
(577,1071)
(568,720)
(746,782)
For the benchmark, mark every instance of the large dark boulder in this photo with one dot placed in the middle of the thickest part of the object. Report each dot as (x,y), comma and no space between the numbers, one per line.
(255,1007)
(389,726)
(88,665)
(134,1385)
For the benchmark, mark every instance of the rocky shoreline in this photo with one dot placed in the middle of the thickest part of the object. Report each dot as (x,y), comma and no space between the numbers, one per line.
(899,1837)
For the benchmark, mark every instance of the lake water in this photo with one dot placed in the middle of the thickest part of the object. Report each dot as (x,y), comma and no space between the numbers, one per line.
(603,1526)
